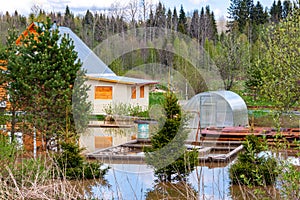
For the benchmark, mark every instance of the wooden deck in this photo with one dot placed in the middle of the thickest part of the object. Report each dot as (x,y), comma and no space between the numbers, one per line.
(110,125)
(132,151)
(239,133)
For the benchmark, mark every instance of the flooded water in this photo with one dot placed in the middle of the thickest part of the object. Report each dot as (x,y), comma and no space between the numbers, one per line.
(135,180)
(132,181)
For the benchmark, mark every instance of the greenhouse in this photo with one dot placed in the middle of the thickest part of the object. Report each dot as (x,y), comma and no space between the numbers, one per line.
(216,109)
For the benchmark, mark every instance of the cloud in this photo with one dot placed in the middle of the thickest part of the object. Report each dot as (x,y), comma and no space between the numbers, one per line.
(218,13)
(198,2)
(24,6)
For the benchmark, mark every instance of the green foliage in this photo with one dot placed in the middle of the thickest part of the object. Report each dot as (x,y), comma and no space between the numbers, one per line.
(280,63)
(42,72)
(21,171)
(8,151)
(168,154)
(74,166)
(124,109)
(232,57)
(179,190)
(289,181)
(97,117)
(251,169)
(32,170)
(156,98)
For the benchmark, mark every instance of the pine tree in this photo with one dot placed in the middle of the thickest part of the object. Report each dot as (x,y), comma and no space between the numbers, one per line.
(160,17)
(87,29)
(213,26)
(168,154)
(44,74)
(258,15)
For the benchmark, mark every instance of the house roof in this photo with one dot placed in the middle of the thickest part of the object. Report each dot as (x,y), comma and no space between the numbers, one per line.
(90,61)
(95,68)
(122,80)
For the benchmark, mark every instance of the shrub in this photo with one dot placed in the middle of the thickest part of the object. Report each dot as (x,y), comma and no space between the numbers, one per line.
(8,150)
(251,169)
(124,109)
(73,165)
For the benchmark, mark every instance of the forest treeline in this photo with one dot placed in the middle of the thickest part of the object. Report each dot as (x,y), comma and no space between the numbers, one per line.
(236,50)
(95,26)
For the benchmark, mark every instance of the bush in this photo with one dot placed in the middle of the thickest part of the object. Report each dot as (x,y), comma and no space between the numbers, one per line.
(251,169)
(124,109)
(74,166)
(8,150)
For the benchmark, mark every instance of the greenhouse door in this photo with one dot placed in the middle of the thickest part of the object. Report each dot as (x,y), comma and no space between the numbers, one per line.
(208,115)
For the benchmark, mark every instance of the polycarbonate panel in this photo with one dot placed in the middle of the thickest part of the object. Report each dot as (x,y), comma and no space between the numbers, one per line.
(218,109)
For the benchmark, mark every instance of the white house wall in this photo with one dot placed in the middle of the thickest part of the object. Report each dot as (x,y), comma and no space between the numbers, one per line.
(121,94)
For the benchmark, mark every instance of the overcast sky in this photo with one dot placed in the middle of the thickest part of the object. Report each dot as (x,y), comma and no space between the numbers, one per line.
(80,6)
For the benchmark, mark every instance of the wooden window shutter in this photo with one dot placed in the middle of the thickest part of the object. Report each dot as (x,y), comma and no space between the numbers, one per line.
(103,92)
(142,92)
(133,92)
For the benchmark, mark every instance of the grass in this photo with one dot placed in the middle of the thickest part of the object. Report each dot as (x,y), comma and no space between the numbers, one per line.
(265,119)
(43,177)
(156,98)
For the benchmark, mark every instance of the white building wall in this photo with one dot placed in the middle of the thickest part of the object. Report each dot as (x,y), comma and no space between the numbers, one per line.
(121,94)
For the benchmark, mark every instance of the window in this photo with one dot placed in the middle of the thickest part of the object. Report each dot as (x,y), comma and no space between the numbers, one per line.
(103,92)
(133,92)
(142,92)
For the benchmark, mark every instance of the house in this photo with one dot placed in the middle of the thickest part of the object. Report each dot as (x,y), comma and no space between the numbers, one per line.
(105,86)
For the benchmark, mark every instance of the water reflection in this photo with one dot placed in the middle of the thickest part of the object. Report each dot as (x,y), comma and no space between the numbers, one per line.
(97,138)
(131,181)
(180,190)
(242,192)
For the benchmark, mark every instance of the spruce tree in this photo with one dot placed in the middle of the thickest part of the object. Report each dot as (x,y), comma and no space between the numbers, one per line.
(194,27)
(69,19)
(182,21)
(175,20)
(168,154)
